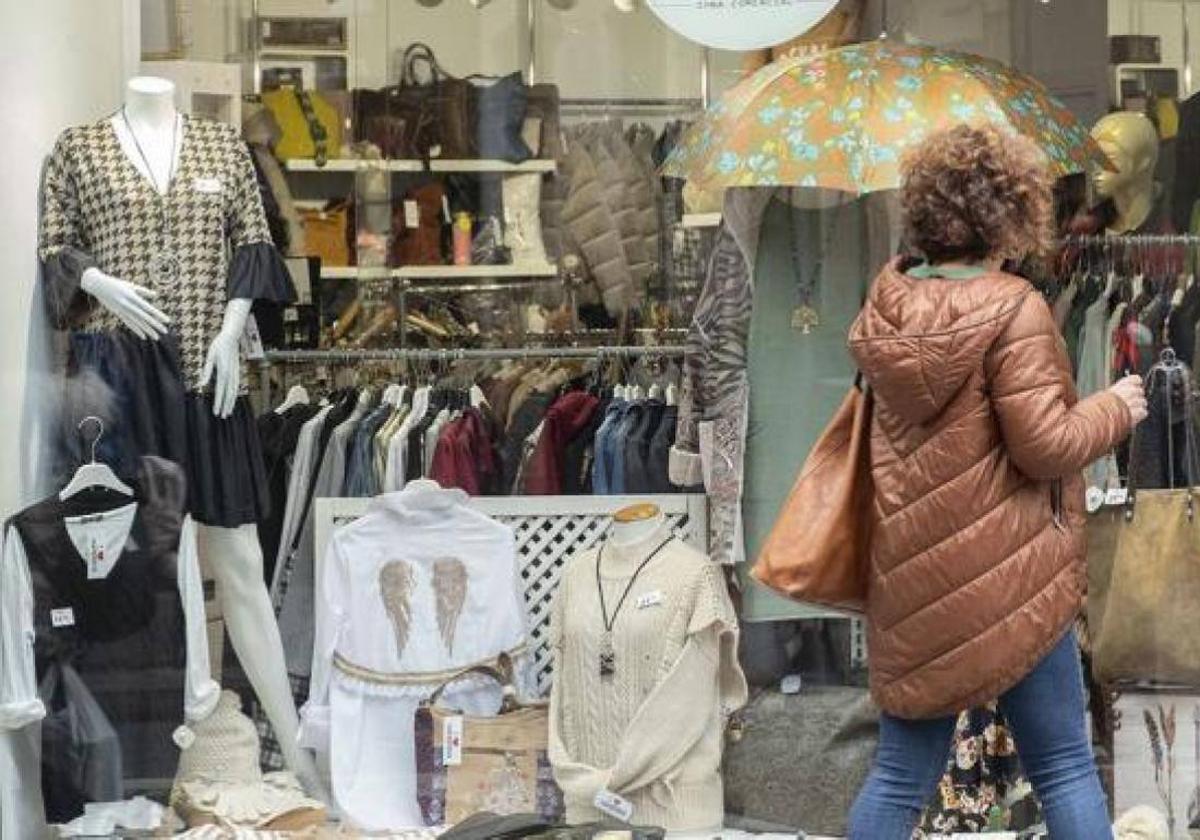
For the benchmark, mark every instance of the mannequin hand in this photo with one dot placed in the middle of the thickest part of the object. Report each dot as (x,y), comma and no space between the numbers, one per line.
(224,359)
(128,301)
(1129,390)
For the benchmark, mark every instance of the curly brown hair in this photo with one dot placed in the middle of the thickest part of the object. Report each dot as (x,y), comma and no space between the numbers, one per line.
(972,193)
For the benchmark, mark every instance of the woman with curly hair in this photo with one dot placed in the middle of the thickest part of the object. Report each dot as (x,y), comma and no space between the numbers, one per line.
(977,446)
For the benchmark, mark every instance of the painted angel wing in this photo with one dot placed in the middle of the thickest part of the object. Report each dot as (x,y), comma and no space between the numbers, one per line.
(396,582)
(450,585)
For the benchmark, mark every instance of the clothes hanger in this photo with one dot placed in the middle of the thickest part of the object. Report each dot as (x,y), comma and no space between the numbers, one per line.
(296,395)
(94,474)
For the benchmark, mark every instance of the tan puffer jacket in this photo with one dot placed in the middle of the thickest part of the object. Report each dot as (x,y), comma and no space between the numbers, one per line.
(977,444)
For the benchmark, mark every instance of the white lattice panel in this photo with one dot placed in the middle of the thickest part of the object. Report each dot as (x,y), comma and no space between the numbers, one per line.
(549,530)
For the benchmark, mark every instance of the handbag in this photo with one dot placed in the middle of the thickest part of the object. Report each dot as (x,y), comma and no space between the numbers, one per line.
(328,234)
(417,226)
(468,763)
(310,126)
(818,550)
(1144,619)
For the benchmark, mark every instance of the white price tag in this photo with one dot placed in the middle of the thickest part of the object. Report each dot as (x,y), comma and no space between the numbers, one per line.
(1116,496)
(412,215)
(452,738)
(210,186)
(615,806)
(62,617)
(650,599)
(446,211)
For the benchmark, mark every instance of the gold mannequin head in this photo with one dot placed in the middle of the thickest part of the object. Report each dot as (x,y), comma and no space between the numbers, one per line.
(1131,143)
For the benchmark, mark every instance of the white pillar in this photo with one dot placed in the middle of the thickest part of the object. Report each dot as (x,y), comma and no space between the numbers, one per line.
(63,62)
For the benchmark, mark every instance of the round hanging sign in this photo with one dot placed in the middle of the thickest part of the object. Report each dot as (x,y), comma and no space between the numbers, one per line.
(741,24)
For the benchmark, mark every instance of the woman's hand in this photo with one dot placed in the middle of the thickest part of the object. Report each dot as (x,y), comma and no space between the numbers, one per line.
(1129,390)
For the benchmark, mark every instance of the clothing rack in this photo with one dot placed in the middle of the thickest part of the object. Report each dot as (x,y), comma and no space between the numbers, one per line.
(272,357)
(1135,240)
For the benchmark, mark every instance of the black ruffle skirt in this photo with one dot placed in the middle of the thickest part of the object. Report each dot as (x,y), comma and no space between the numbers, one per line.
(137,388)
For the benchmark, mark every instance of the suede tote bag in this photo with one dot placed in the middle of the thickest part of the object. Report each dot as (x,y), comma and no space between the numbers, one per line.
(1148,614)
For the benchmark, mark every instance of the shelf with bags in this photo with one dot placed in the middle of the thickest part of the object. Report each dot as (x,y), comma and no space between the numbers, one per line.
(441,272)
(435,165)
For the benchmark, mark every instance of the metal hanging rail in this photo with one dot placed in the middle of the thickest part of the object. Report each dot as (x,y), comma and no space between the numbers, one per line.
(453,355)
(1134,240)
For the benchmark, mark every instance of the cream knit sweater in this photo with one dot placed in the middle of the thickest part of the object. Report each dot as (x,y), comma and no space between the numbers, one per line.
(653,731)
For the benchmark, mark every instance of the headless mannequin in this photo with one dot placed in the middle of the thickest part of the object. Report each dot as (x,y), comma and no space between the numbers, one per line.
(233,554)
(1131,143)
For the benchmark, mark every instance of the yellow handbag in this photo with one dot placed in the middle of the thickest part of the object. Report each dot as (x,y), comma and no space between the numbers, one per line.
(310,126)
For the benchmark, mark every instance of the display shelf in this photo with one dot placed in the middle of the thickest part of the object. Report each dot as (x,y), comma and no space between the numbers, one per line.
(353,165)
(444,166)
(440,272)
(701,220)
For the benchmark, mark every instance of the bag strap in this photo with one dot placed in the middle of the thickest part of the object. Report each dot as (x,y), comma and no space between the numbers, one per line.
(501,672)
(1167,371)
(316,131)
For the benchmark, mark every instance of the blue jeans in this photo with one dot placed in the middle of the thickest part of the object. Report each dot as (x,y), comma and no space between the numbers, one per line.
(1046,713)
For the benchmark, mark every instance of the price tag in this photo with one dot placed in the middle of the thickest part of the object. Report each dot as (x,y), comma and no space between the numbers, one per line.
(615,806)
(446,211)
(650,599)
(252,346)
(1116,496)
(452,737)
(62,617)
(412,215)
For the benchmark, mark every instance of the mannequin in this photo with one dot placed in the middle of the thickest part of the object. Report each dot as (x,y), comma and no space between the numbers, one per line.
(646,671)
(1131,143)
(150,132)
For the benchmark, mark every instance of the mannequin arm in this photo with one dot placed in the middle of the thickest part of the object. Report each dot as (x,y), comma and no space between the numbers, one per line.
(128,301)
(224,358)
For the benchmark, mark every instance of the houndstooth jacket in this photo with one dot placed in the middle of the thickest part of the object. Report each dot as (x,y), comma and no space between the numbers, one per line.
(100,211)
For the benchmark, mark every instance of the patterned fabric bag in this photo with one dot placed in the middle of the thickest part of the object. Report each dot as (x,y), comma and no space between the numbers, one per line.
(467,763)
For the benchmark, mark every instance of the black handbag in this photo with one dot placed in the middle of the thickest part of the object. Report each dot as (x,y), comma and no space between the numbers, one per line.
(429,114)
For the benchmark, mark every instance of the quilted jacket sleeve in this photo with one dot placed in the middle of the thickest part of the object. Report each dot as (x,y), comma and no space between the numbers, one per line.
(1047,432)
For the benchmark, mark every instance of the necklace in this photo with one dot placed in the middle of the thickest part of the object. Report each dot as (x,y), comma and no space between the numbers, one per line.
(608,654)
(164,265)
(805,316)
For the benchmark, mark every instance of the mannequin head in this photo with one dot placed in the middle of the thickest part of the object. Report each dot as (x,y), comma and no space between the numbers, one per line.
(1131,143)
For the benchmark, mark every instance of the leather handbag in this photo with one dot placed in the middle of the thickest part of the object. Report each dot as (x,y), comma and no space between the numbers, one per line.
(1143,593)
(469,763)
(429,114)
(818,551)
(310,126)
(417,226)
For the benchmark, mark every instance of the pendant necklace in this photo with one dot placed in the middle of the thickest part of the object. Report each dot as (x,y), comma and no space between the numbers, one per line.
(608,653)
(164,265)
(805,315)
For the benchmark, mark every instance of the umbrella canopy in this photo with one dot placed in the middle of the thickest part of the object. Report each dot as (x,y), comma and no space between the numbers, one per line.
(842,119)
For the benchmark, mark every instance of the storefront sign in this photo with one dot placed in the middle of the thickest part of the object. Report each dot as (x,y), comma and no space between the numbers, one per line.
(741,24)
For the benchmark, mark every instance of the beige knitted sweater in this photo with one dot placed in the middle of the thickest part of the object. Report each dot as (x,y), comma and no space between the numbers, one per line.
(653,731)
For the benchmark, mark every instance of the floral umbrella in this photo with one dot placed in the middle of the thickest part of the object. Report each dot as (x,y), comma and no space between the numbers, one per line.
(843,118)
